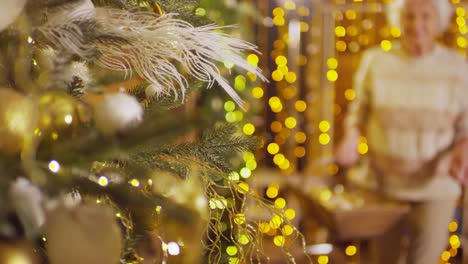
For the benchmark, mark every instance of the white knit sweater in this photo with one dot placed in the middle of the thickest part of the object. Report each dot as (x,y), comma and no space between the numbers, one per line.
(412,110)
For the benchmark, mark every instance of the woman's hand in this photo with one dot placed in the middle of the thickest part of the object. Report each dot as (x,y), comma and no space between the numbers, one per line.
(347,150)
(459,164)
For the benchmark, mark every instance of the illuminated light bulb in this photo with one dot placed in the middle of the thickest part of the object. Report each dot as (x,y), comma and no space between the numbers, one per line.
(243,188)
(273,148)
(386,45)
(332,75)
(103,181)
(173,249)
(350,251)
(54,166)
(279,241)
(332,63)
(135,183)
(324,126)
(231,250)
(257,92)
(68,119)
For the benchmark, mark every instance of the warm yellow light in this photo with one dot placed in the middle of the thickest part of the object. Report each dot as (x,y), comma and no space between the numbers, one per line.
(278,158)
(460,11)
(251,165)
(280,203)
(453,226)
(234,176)
(229,106)
(461,42)
(332,169)
(363,148)
(300,106)
(264,227)
(325,195)
(239,219)
(287,230)
(245,173)
(243,187)
(273,148)
(283,68)
(279,241)
(350,14)
(200,11)
(350,94)
(303,11)
(275,104)
(285,165)
(231,250)
(455,1)
(257,92)
(253,59)
(290,5)
(278,11)
(395,32)
(290,214)
(243,239)
(304,26)
(276,126)
(350,251)
(240,83)
(68,119)
(54,166)
(322,260)
(290,122)
(248,129)
(445,256)
(332,63)
(324,126)
(332,75)
(461,21)
(135,183)
(299,152)
(277,75)
(454,241)
(103,181)
(340,31)
(463,29)
(281,60)
(276,221)
(324,139)
(290,77)
(272,191)
(300,137)
(352,31)
(278,21)
(341,46)
(386,45)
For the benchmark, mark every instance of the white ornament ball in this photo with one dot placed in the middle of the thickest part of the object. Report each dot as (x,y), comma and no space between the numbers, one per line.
(152,91)
(85,234)
(9,11)
(117,113)
(26,199)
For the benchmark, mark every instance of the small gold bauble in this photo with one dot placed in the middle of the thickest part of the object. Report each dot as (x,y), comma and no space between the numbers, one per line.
(18,119)
(59,115)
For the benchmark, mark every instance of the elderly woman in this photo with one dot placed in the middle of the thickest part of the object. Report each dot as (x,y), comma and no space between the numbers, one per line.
(412,105)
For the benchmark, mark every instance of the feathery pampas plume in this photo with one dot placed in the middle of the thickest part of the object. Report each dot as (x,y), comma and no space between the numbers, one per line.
(149,44)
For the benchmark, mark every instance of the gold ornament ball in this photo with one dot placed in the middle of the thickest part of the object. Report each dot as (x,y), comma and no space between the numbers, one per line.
(17,253)
(18,120)
(59,114)
(85,234)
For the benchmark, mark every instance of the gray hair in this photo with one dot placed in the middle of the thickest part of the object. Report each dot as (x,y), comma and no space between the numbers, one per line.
(443,8)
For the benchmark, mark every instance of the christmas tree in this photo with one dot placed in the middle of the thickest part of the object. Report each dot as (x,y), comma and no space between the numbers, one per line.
(105,157)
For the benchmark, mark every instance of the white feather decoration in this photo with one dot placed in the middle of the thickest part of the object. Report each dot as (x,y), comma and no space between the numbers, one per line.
(153,44)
